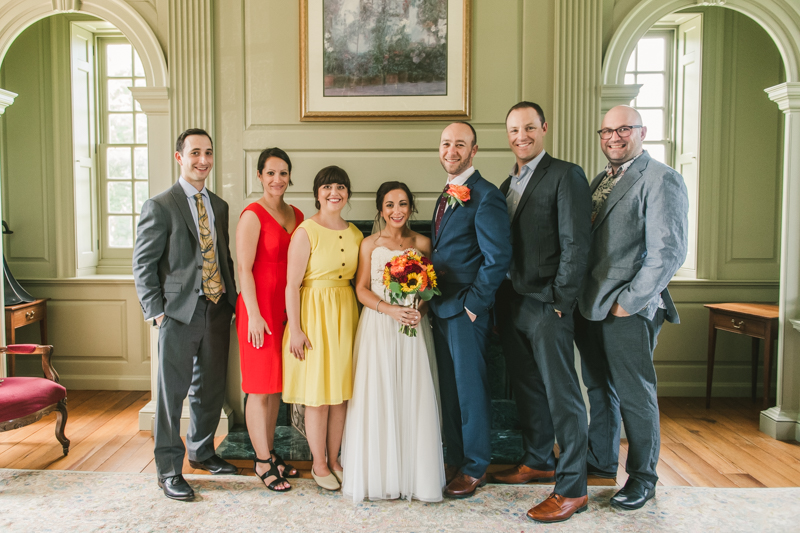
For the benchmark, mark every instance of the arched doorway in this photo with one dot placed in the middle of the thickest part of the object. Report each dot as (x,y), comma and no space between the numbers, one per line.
(781,20)
(17,16)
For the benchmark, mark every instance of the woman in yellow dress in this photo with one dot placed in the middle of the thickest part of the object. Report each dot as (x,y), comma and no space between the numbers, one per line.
(323,317)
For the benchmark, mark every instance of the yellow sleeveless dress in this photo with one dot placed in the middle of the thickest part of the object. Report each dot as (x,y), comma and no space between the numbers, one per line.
(328,317)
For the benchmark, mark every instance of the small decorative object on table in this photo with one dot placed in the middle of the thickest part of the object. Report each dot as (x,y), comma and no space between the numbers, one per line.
(410,275)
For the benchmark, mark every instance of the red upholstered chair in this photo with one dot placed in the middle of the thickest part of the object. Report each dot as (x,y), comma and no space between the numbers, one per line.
(25,400)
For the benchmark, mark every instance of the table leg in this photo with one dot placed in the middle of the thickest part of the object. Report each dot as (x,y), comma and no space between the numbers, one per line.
(754,355)
(12,359)
(712,346)
(767,366)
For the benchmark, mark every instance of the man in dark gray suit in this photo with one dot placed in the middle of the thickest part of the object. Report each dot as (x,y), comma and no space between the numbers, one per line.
(549,206)
(184,279)
(639,238)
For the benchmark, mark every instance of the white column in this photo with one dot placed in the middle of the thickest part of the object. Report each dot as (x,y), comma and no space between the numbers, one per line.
(783,421)
(6,99)
(155,102)
(191,67)
(578,61)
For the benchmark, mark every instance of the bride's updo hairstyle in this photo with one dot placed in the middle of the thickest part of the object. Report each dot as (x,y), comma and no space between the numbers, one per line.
(387,187)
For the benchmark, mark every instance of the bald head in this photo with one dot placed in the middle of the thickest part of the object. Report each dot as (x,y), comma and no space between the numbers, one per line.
(619,148)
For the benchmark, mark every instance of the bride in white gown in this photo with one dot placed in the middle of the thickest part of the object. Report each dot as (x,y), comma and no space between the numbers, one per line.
(392,444)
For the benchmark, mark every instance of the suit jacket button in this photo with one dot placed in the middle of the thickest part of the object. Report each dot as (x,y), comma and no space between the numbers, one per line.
(197,291)
(199,267)
(435,250)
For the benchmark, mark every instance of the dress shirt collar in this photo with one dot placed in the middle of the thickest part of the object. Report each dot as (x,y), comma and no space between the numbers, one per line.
(462,178)
(529,168)
(190,190)
(623,167)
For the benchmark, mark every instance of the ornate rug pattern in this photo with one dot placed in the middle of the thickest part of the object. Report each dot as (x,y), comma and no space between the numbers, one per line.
(87,501)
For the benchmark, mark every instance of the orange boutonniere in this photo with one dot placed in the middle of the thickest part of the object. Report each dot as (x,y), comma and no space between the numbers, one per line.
(457,194)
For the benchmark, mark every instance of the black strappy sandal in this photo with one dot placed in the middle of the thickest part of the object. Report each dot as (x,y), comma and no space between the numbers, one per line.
(273,471)
(286,467)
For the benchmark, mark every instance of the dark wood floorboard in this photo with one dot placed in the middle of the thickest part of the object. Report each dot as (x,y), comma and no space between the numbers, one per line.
(717,447)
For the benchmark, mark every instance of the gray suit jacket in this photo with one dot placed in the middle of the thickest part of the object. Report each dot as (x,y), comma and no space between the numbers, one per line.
(639,242)
(167,263)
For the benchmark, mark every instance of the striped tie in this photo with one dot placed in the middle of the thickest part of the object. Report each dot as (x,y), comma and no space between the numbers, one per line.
(212,283)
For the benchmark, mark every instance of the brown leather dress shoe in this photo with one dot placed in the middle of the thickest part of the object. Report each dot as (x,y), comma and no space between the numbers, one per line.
(463,486)
(450,472)
(557,508)
(521,474)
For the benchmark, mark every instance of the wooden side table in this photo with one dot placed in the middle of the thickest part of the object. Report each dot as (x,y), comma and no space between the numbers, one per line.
(21,315)
(759,321)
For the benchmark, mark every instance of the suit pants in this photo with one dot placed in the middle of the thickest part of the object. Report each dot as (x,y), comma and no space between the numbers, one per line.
(461,352)
(617,364)
(540,361)
(193,359)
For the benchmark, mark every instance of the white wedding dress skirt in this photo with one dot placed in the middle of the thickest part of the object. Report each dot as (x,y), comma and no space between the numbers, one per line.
(392,443)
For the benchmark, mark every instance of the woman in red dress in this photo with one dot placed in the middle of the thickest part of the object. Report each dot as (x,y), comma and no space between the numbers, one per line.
(262,241)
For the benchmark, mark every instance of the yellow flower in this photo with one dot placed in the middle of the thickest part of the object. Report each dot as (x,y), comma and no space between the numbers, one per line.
(412,284)
(432,276)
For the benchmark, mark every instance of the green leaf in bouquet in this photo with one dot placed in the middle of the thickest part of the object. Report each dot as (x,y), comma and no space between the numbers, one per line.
(427,294)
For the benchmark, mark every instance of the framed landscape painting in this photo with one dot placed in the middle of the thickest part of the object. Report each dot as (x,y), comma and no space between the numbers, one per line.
(385,59)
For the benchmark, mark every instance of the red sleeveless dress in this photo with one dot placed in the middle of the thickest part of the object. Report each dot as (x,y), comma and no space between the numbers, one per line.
(262,371)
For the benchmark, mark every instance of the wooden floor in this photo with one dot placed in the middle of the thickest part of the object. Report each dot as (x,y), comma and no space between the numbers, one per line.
(718,447)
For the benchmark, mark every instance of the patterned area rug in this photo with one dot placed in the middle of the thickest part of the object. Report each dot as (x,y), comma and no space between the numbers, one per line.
(76,501)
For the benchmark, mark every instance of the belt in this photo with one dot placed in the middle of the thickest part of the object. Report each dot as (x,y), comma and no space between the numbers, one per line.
(325,283)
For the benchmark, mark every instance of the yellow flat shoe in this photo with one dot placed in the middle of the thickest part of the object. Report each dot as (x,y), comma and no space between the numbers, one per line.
(328,482)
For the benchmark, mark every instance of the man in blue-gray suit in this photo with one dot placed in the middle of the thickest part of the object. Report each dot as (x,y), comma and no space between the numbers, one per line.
(471,254)
(639,238)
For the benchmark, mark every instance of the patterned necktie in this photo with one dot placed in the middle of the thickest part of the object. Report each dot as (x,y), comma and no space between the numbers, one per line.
(212,283)
(440,207)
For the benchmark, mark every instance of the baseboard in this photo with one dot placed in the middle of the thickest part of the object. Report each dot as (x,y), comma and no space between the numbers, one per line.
(779,425)
(148,412)
(132,383)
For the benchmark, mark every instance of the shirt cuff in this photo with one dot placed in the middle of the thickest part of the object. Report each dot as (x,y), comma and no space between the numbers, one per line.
(153,318)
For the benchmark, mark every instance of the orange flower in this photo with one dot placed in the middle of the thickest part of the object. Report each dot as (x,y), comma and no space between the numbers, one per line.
(457,194)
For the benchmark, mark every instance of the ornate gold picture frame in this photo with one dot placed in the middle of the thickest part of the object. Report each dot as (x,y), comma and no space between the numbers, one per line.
(365,60)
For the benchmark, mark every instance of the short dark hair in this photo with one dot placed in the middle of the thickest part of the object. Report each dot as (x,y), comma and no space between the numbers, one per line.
(474,133)
(274,152)
(528,105)
(328,175)
(191,131)
(389,186)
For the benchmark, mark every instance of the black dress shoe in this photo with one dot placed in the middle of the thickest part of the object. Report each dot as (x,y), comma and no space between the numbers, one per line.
(596,472)
(633,495)
(175,487)
(215,465)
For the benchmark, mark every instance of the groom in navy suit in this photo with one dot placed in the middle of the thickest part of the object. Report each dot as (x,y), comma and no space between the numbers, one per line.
(471,254)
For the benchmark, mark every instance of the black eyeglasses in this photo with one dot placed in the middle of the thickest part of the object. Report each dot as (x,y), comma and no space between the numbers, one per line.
(623,131)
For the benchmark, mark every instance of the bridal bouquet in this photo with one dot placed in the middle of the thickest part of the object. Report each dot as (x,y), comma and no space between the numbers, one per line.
(410,274)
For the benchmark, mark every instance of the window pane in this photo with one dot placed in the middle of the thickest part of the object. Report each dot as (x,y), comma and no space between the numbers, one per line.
(138,69)
(120,232)
(631,62)
(140,163)
(120,197)
(654,120)
(630,79)
(118,163)
(141,194)
(141,128)
(651,54)
(657,152)
(118,60)
(652,91)
(120,129)
(119,97)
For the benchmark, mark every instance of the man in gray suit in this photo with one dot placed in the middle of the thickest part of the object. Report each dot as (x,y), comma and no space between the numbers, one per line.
(549,206)
(639,235)
(184,279)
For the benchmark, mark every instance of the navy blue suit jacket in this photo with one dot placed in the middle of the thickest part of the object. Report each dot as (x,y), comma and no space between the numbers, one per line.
(471,251)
